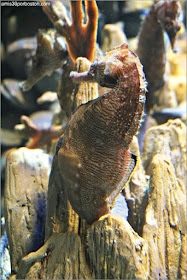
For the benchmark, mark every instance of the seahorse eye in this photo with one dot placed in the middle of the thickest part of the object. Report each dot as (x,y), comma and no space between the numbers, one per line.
(109,81)
(177,28)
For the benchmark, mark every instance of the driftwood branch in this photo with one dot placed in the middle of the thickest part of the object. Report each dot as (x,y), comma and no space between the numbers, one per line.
(110,248)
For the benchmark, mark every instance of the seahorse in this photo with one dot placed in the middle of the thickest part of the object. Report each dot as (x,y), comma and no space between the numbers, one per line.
(93,155)
(164,16)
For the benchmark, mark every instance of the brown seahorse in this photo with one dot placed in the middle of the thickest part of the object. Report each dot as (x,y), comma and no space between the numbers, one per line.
(93,155)
(164,16)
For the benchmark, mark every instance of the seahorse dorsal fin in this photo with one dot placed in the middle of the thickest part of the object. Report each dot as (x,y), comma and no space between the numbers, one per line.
(126,169)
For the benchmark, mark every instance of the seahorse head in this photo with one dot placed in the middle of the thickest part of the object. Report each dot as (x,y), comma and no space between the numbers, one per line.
(108,70)
(170,17)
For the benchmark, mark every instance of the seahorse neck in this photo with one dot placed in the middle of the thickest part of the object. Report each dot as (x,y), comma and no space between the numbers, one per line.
(132,79)
(151,49)
(152,27)
(127,100)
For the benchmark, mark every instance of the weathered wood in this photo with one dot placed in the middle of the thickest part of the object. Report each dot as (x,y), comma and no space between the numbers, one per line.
(62,257)
(84,91)
(70,95)
(169,140)
(60,215)
(27,174)
(65,88)
(113,35)
(164,227)
(116,251)
(110,248)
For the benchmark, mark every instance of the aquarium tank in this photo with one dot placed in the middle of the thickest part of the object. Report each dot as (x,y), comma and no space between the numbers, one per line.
(93,139)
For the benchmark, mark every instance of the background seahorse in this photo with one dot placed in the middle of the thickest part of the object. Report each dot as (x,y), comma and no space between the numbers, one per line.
(93,155)
(164,16)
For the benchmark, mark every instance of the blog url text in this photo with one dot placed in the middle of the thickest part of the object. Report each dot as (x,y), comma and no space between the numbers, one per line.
(24,3)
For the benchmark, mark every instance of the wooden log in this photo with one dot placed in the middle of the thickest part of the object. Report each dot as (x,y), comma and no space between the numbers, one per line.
(169,140)
(116,251)
(60,215)
(164,227)
(62,257)
(27,174)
